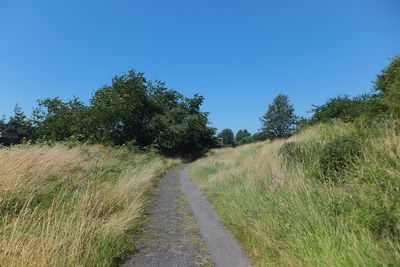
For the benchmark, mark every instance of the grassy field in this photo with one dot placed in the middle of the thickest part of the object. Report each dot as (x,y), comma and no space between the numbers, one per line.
(328,196)
(79,206)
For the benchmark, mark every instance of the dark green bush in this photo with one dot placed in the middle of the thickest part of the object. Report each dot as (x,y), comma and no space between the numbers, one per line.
(291,152)
(131,108)
(378,213)
(246,140)
(337,157)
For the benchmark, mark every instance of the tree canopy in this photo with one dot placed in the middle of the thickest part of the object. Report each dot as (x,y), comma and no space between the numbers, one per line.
(347,109)
(388,85)
(18,124)
(146,113)
(228,136)
(384,100)
(241,135)
(279,120)
(130,110)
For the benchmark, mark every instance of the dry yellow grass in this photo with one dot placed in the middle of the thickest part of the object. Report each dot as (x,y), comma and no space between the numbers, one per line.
(285,216)
(75,206)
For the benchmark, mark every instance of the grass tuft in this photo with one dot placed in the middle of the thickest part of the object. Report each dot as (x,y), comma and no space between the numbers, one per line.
(72,206)
(272,198)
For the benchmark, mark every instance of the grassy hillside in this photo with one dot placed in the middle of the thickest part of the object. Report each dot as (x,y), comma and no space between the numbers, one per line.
(75,206)
(328,196)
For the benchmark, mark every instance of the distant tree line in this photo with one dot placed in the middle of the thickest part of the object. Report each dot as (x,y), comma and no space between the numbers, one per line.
(136,111)
(132,110)
(280,120)
(383,101)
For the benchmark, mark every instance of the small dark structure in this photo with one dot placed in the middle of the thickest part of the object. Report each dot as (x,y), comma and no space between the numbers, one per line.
(221,142)
(7,139)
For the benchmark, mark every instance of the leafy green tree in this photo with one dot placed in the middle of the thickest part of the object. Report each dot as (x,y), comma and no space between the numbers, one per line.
(135,109)
(228,136)
(347,109)
(388,76)
(388,85)
(367,106)
(57,120)
(279,120)
(242,134)
(179,127)
(132,110)
(19,124)
(121,111)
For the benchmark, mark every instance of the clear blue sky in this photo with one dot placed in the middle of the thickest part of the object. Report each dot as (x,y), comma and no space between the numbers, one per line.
(238,54)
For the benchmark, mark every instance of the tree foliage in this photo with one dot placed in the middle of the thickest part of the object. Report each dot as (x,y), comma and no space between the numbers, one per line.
(130,110)
(384,101)
(57,120)
(279,120)
(146,113)
(241,134)
(348,109)
(228,136)
(18,124)
(388,85)
(246,140)
(257,137)
(389,76)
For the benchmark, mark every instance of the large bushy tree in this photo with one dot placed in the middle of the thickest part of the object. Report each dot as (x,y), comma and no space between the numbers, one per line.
(57,120)
(179,125)
(279,120)
(347,109)
(385,100)
(228,136)
(121,111)
(388,85)
(132,109)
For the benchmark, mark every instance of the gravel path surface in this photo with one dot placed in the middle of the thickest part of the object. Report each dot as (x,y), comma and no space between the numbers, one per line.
(182,229)
(170,236)
(225,250)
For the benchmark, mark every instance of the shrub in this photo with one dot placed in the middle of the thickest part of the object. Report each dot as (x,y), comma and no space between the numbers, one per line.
(246,140)
(377,211)
(291,152)
(259,136)
(337,156)
(348,109)
(241,134)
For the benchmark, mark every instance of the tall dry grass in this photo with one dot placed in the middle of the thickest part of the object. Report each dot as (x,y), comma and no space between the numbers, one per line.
(75,206)
(285,215)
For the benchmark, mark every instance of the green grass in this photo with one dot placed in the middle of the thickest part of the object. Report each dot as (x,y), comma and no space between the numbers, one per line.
(286,209)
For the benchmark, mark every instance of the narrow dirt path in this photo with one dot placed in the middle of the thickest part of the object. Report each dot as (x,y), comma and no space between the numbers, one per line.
(182,229)
(224,249)
(170,236)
